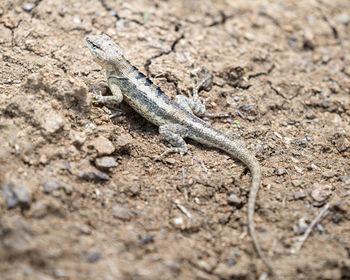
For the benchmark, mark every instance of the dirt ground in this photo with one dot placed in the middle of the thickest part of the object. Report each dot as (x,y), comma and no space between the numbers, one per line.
(81,194)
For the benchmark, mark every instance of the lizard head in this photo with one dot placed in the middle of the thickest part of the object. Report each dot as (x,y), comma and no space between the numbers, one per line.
(103,49)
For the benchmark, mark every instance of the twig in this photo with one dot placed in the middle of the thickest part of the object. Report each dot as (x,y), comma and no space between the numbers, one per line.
(309,229)
(183,209)
(214,116)
(184,184)
(116,114)
(202,165)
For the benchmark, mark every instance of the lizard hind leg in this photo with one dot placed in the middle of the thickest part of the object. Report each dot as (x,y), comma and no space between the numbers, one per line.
(193,104)
(174,134)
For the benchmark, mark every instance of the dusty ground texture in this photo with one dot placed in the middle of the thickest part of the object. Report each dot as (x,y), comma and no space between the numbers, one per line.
(81,196)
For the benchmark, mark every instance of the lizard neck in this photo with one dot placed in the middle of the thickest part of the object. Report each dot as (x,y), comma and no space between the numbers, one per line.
(122,68)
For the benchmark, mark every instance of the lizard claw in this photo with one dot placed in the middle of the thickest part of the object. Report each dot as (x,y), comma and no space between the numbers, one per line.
(181,151)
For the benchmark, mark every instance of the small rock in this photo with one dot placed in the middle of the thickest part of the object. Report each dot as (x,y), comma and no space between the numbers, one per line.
(231,262)
(16,195)
(105,162)
(297,183)
(16,236)
(56,193)
(301,228)
(133,190)
(52,123)
(78,138)
(84,229)
(147,239)
(278,197)
(342,18)
(281,171)
(178,221)
(85,171)
(124,141)
(299,195)
(28,7)
(120,25)
(171,161)
(50,186)
(39,210)
(298,169)
(251,118)
(234,200)
(68,189)
(93,174)
(93,257)
(103,146)
(341,143)
(290,197)
(330,174)
(345,179)
(249,36)
(320,193)
(113,13)
(122,213)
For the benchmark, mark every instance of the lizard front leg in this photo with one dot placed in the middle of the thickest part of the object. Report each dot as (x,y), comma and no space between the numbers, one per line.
(174,134)
(115,98)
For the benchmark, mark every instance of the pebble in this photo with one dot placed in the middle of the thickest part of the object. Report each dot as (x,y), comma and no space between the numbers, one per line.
(93,174)
(122,213)
(112,13)
(342,18)
(52,123)
(178,221)
(39,210)
(78,138)
(28,7)
(16,195)
(320,193)
(147,239)
(249,36)
(301,227)
(234,200)
(345,179)
(281,171)
(68,189)
(56,193)
(103,146)
(105,162)
(93,257)
(297,183)
(16,236)
(50,186)
(299,195)
(298,169)
(84,229)
(124,141)
(171,161)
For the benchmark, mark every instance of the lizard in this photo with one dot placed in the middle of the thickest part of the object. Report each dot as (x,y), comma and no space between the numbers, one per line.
(176,119)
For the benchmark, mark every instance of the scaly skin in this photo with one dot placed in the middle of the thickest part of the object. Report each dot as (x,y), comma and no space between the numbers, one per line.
(175,121)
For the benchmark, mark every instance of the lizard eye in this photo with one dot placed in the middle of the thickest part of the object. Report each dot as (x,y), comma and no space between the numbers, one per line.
(94,45)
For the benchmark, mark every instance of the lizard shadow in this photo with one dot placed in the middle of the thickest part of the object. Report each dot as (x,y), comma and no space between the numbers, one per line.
(136,123)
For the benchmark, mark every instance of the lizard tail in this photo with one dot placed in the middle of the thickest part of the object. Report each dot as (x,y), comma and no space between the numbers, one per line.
(254,168)
(241,153)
